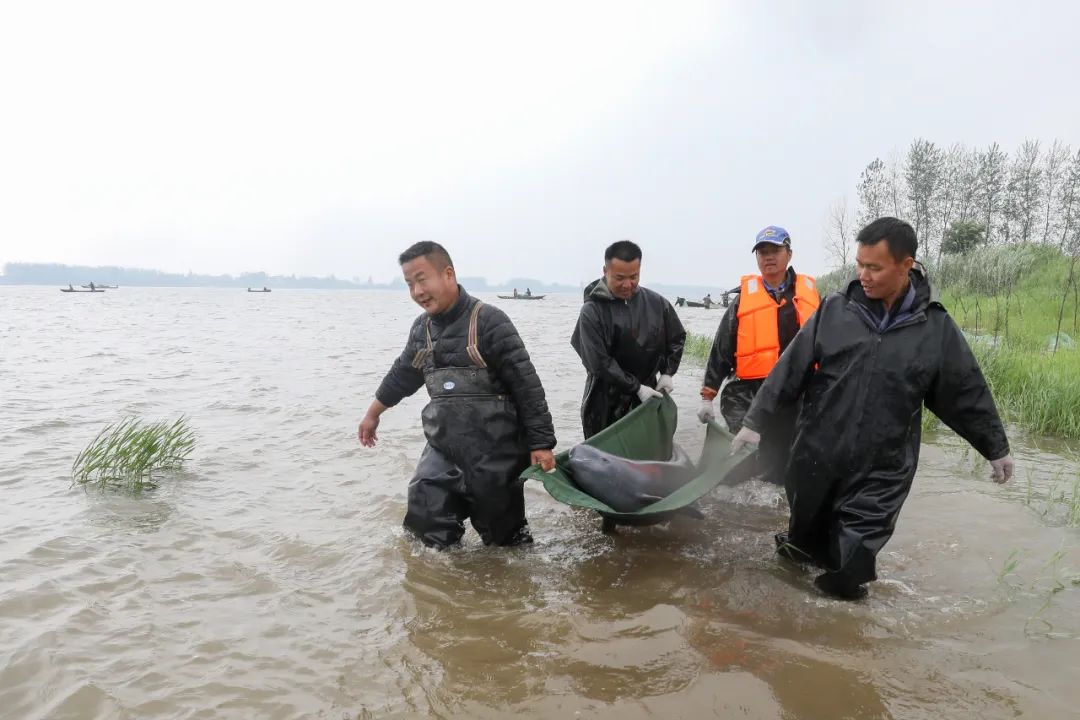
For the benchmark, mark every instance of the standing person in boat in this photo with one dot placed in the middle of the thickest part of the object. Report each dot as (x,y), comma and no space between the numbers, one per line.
(515,292)
(707,300)
(864,366)
(759,323)
(629,339)
(528,292)
(488,417)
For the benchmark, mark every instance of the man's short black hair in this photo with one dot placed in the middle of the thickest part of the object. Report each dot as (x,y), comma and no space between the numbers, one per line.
(433,251)
(899,236)
(623,250)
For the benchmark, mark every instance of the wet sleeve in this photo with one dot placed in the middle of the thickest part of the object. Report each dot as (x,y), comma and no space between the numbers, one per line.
(504,351)
(403,379)
(674,340)
(789,377)
(721,362)
(594,339)
(961,398)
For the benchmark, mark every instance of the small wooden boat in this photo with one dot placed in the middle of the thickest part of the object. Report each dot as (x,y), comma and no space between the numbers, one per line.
(723,302)
(103,287)
(265,289)
(78,290)
(521,297)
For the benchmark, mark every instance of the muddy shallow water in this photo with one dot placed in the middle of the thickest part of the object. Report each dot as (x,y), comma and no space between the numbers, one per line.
(271,578)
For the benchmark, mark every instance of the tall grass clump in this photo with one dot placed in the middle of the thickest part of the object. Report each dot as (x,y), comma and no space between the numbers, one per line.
(129,454)
(992,270)
(1039,391)
(835,280)
(697,347)
(1010,302)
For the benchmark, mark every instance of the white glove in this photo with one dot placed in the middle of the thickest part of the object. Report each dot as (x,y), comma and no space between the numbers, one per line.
(665,384)
(645,392)
(744,437)
(706,412)
(1002,469)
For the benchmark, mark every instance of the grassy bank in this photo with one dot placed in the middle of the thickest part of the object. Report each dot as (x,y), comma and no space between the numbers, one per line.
(1008,301)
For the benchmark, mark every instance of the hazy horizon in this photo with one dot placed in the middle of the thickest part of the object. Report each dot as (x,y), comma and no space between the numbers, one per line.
(49,275)
(326,139)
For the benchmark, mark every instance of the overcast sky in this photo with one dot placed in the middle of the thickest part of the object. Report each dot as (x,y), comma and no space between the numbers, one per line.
(324,138)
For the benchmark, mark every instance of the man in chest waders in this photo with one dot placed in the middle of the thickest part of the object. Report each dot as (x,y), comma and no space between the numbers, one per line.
(487,419)
(863,366)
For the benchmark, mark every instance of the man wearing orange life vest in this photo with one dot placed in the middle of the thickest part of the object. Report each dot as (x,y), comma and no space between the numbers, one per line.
(760,322)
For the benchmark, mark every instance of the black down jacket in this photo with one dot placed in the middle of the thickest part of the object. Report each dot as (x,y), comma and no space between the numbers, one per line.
(857,435)
(623,345)
(502,350)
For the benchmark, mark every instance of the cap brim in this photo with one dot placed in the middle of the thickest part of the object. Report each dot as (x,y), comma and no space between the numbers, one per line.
(781,243)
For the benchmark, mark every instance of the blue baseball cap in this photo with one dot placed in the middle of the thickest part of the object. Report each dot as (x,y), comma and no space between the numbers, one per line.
(773,235)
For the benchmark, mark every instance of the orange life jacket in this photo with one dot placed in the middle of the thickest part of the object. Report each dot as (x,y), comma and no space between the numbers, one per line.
(757,346)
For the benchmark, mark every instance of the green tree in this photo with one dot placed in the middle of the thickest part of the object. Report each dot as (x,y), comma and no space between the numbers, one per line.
(963,236)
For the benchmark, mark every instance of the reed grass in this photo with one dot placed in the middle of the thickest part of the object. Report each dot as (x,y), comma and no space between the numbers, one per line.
(1008,569)
(1052,579)
(132,453)
(1060,502)
(697,347)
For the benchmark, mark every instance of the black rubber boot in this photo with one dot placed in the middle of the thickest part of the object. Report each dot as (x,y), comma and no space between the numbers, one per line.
(831,584)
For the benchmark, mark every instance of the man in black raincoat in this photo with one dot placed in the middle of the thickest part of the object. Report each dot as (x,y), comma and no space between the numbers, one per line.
(744,351)
(488,417)
(864,366)
(629,339)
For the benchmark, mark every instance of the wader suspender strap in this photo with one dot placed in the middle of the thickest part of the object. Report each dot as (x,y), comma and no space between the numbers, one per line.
(422,355)
(472,348)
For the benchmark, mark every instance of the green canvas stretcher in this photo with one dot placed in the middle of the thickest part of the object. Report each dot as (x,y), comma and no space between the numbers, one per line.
(646,433)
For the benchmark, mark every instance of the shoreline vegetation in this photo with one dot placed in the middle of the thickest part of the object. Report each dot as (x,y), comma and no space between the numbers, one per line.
(1021,315)
(999,236)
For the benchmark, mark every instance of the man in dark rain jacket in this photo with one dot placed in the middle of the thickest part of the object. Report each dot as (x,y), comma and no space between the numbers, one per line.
(629,339)
(488,417)
(863,366)
(756,328)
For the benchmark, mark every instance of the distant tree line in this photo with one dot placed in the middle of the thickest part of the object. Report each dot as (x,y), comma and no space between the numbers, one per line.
(959,198)
(59,274)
